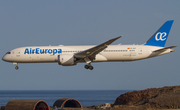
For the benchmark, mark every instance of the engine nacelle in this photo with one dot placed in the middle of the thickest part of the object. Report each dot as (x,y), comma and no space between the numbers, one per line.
(66,60)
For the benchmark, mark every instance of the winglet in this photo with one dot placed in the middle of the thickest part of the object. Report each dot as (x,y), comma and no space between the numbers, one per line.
(160,36)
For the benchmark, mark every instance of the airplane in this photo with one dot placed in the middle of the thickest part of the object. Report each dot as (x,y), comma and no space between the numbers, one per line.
(71,55)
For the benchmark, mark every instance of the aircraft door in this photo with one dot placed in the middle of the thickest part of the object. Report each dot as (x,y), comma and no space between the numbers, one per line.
(140,51)
(18,53)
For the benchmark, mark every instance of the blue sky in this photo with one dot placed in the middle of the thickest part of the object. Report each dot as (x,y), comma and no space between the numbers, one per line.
(83,22)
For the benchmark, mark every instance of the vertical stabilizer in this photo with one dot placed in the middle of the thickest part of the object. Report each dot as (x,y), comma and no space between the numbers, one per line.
(160,36)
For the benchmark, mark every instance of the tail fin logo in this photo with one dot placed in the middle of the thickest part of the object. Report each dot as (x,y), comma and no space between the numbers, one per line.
(161,36)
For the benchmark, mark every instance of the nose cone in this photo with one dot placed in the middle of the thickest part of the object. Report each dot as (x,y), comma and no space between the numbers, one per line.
(5,58)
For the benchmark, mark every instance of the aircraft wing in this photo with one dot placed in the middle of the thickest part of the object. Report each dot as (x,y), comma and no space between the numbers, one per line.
(92,52)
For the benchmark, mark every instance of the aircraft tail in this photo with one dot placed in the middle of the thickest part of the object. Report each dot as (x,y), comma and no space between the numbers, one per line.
(160,36)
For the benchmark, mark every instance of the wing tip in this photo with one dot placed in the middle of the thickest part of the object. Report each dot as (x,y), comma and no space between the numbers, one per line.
(118,37)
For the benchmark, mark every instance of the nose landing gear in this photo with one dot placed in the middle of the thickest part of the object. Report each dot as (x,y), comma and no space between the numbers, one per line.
(16,66)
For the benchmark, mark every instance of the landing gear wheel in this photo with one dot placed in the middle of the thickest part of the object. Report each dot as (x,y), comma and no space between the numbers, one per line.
(16,67)
(86,66)
(91,67)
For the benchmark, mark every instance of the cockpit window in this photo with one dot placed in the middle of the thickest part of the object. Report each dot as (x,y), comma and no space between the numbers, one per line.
(8,53)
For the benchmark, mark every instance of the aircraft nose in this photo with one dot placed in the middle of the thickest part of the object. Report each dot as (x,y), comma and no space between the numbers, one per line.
(4,58)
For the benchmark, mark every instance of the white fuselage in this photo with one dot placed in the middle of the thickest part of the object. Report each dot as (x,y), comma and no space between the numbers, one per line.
(49,54)
(71,55)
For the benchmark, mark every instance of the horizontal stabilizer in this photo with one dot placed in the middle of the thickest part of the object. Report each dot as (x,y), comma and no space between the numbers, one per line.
(164,49)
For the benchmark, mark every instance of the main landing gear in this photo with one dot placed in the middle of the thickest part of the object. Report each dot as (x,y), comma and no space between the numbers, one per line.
(88,61)
(89,67)
(16,66)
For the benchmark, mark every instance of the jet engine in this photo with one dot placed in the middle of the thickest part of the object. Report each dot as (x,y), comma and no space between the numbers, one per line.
(66,59)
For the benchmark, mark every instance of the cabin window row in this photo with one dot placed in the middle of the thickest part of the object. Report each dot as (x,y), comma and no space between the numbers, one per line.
(115,50)
(72,51)
(104,51)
